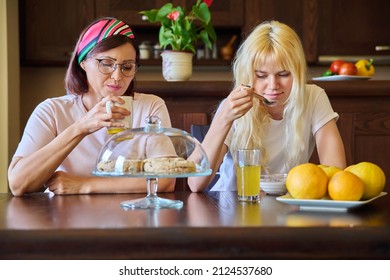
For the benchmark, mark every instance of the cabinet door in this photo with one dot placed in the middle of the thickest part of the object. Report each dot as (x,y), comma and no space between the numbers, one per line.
(50,29)
(353,27)
(224,13)
(301,15)
(129,10)
(286,11)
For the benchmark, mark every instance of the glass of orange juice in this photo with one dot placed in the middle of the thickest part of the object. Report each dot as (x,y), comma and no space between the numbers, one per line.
(248,171)
(128,120)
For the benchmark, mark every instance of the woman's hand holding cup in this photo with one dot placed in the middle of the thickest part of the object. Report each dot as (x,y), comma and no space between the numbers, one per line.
(127,121)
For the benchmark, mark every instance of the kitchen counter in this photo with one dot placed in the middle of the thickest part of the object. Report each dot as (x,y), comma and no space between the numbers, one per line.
(221,88)
(224,73)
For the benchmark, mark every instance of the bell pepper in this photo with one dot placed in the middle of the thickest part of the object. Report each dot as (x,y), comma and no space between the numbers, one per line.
(365,67)
(327,73)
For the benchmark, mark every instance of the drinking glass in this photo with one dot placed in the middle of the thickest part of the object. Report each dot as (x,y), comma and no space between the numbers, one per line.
(248,171)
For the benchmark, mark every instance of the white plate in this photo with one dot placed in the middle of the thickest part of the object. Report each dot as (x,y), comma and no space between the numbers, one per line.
(325,204)
(341,78)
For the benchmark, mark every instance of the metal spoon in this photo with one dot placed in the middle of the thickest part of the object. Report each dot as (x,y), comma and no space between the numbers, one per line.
(264,100)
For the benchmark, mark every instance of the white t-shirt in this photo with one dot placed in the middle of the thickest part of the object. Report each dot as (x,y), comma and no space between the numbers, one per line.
(54,115)
(318,112)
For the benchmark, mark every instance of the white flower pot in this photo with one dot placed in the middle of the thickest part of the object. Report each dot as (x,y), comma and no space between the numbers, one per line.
(176,65)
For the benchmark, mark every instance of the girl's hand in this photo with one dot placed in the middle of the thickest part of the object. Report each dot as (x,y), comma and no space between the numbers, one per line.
(238,102)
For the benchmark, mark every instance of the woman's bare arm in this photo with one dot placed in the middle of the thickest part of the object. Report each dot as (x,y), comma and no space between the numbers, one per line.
(330,146)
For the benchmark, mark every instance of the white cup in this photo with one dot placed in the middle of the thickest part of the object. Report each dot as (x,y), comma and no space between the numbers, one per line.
(128,120)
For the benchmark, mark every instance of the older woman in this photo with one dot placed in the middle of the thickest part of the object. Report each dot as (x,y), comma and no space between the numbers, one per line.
(64,135)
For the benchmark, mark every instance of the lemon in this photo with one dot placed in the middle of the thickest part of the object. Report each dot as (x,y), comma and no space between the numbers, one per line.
(372,175)
(307,181)
(345,185)
(329,170)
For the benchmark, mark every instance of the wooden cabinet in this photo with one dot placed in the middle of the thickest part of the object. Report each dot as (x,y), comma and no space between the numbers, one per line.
(301,15)
(50,29)
(129,10)
(364,123)
(224,13)
(353,27)
(227,12)
(329,28)
(188,102)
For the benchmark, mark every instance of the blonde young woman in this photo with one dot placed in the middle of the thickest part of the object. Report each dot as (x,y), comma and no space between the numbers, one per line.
(271,63)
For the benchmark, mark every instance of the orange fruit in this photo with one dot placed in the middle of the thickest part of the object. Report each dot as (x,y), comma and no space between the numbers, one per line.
(345,185)
(307,181)
(329,170)
(372,175)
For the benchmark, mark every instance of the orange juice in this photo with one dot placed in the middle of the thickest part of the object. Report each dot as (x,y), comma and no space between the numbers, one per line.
(248,180)
(114,130)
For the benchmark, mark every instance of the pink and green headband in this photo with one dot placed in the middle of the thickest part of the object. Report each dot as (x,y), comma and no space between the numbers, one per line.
(100,31)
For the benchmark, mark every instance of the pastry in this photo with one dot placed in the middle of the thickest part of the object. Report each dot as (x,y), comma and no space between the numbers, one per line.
(169,165)
(125,166)
(132,166)
(153,165)
(106,166)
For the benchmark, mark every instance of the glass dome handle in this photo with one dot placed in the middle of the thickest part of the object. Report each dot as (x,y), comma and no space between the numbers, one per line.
(153,120)
(153,123)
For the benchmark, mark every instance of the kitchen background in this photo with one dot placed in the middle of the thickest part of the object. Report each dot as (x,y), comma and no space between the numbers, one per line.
(47,30)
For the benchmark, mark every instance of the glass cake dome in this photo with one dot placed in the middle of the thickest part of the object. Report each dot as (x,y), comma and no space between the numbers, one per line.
(152,152)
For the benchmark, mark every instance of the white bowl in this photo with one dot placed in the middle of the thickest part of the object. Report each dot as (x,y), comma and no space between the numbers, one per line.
(273,184)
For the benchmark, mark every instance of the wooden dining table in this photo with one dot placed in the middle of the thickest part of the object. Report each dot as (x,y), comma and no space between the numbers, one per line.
(213,225)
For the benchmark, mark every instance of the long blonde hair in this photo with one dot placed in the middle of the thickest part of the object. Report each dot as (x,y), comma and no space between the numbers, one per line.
(276,42)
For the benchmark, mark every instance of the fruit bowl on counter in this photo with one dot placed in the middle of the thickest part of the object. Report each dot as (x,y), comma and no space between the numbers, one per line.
(340,70)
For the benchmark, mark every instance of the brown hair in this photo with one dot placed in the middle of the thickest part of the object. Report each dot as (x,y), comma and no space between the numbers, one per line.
(76,78)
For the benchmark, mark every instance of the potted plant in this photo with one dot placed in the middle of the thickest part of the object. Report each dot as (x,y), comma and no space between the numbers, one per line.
(180,33)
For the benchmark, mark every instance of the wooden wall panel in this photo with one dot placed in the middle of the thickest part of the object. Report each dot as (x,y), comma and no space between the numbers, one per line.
(376,123)
(374,148)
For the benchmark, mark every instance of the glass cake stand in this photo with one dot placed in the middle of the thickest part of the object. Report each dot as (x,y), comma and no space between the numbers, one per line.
(128,154)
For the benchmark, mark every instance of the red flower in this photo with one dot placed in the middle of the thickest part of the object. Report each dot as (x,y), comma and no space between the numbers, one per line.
(208,2)
(173,15)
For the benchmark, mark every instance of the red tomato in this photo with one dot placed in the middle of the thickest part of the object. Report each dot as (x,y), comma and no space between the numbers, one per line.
(348,68)
(335,66)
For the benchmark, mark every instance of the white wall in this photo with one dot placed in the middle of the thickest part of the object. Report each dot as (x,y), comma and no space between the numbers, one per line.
(37,84)
(9,85)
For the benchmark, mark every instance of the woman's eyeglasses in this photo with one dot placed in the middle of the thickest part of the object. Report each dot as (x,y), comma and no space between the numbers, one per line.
(107,66)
